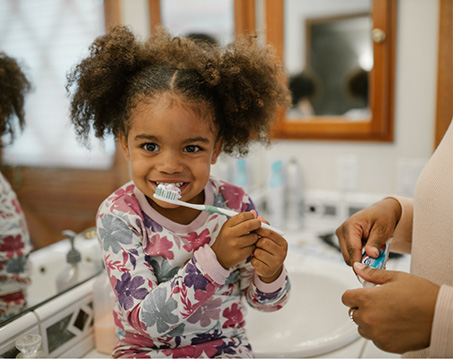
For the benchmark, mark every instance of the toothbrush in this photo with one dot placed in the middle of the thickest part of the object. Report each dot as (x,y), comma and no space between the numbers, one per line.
(171,194)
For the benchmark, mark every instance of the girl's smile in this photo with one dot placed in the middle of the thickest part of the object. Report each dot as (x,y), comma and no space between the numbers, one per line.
(168,142)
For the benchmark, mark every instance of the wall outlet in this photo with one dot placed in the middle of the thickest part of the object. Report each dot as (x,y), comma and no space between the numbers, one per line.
(407,175)
(347,172)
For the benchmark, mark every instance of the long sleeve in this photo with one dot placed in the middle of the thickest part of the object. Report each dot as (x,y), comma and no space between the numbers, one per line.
(432,242)
(266,297)
(442,332)
(402,235)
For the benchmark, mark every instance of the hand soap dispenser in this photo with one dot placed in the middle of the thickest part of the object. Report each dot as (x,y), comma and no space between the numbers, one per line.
(70,275)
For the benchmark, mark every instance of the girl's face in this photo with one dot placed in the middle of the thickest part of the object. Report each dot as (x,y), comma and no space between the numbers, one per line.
(168,143)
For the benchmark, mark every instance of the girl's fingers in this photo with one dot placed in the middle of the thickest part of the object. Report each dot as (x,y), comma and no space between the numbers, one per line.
(273,245)
(244,222)
(270,254)
(249,240)
(241,217)
(263,256)
(267,233)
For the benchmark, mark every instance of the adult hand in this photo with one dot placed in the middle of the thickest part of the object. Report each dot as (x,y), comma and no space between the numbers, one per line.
(373,226)
(397,314)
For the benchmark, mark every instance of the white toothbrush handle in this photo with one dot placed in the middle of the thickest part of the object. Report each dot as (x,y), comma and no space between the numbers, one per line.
(231,213)
(206,208)
(226,212)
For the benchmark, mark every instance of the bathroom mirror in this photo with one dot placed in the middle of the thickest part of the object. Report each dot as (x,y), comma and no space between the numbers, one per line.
(356,38)
(223,19)
(53,195)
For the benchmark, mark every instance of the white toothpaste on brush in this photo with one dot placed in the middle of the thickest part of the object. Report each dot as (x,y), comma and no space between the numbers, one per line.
(378,263)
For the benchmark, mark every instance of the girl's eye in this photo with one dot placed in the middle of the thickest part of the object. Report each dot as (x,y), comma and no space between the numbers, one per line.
(192,148)
(150,147)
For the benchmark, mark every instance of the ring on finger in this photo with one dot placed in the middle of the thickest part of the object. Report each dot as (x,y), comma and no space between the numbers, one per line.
(351,314)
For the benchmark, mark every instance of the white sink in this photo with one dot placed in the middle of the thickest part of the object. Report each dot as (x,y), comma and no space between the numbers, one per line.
(313,322)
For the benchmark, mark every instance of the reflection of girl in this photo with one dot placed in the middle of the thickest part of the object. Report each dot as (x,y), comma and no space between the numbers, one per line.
(302,87)
(179,275)
(14,237)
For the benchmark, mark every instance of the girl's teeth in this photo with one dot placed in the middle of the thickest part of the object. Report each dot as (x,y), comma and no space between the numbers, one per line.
(179,184)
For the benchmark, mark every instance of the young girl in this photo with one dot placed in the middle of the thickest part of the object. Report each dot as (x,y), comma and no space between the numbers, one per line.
(179,274)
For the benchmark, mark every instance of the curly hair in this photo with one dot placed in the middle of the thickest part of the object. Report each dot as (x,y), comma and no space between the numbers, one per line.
(242,83)
(14,85)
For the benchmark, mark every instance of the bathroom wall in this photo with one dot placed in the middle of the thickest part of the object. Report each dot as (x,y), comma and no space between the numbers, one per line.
(381,167)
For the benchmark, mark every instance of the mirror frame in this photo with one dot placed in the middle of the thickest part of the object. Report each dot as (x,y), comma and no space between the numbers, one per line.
(380,126)
(244,16)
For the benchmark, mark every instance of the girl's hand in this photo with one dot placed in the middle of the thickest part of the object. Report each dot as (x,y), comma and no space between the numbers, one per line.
(269,255)
(397,315)
(373,225)
(236,240)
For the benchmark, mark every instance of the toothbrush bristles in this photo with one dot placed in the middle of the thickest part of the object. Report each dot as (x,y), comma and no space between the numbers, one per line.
(168,192)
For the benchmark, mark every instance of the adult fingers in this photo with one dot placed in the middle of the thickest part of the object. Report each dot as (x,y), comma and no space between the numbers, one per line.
(378,236)
(352,298)
(373,275)
(350,239)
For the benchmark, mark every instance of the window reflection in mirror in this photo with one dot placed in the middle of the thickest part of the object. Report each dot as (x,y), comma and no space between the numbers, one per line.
(216,19)
(49,38)
(350,72)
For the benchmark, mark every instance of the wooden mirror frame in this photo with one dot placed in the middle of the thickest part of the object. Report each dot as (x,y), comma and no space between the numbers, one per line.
(244,16)
(380,127)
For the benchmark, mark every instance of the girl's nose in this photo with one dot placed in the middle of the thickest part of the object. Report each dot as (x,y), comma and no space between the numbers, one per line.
(170,162)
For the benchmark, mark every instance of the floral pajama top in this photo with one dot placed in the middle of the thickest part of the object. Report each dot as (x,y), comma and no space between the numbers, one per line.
(14,249)
(174,299)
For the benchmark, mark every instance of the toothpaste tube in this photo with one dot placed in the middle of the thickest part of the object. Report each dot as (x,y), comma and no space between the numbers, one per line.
(378,263)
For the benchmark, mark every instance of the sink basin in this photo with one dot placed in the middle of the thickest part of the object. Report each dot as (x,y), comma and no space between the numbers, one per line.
(313,322)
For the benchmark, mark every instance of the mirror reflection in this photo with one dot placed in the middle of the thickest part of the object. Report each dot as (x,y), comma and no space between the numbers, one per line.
(28,278)
(316,33)
(286,29)
(35,140)
(15,244)
(216,21)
